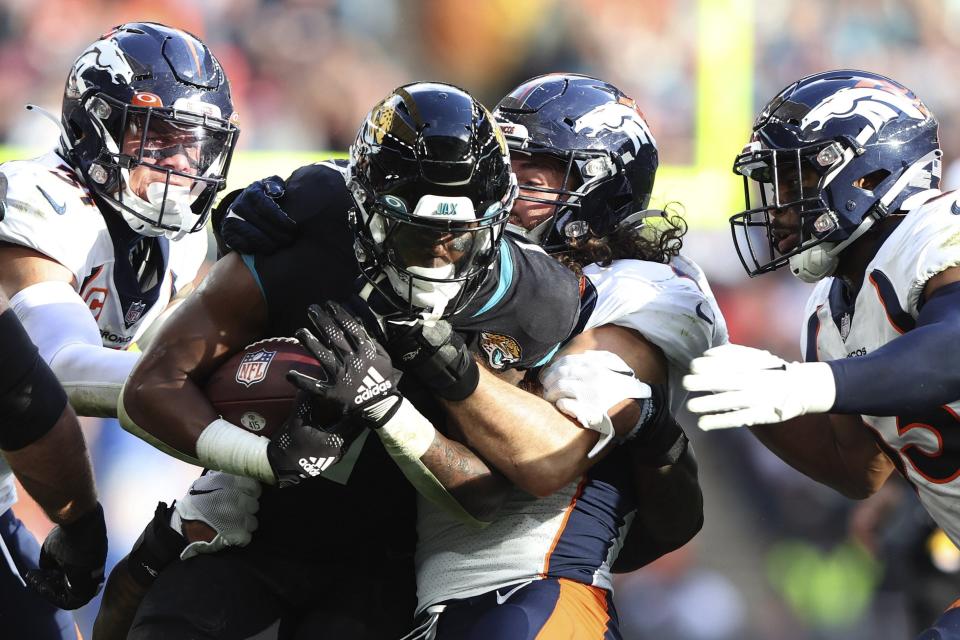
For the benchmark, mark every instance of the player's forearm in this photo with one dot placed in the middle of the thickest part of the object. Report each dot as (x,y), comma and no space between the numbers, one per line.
(838,452)
(523,436)
(55,470)
(669,512)
(441,470)
(162,402)
(472,483)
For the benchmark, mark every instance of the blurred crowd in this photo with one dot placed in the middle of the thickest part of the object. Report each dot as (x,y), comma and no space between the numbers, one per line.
(780,557)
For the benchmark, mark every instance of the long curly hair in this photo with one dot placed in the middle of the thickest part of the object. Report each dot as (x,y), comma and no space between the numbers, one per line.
(657,239)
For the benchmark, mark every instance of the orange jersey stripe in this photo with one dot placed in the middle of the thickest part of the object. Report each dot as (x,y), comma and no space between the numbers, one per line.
(563,526)
(581,612)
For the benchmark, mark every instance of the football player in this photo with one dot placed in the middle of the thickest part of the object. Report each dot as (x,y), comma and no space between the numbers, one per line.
(587,162)
(96,237)
(43,445)
(842,174)
(430,189)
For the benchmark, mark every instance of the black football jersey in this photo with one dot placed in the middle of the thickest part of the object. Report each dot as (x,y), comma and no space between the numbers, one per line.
(525,309)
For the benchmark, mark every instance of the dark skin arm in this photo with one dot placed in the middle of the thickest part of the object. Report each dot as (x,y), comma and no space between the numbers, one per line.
(224,314)
(659,527)
(163,395)
(836,450)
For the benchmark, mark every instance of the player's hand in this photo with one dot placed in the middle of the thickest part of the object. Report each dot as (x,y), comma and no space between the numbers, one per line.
(750,386)
(360,378)
(587,385)
(301,450)
(255,223)
(225,503)
(71,562)
(436,355)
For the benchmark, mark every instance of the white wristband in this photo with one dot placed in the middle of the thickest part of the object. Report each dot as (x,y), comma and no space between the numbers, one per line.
(407,432)
(226,447)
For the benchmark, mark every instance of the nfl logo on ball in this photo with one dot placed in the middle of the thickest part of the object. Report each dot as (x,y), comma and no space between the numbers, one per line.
(253,367)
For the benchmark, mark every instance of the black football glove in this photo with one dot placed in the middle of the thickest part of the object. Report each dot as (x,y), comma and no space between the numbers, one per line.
(436,355)
(255,223)
(156,548)
(71,562)
(360,378)
(301,450)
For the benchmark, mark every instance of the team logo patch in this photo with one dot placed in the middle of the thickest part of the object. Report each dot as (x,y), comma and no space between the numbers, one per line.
(381,122)
(253,367)
(501,349)
(845,322)
(134,311)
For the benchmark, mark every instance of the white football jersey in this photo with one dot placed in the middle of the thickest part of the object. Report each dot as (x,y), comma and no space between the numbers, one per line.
(577,532)
(49,211)
(922,446)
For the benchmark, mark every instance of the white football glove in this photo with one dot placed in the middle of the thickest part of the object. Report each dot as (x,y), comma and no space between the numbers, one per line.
(225,502)
(749,386)
(586,385)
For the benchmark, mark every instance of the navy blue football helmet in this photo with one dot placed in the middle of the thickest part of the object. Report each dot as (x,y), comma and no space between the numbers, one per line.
(830,156)
(600,137)
(430,174)
(149,123)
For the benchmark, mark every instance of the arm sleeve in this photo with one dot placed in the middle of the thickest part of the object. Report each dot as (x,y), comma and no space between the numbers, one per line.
(914,372)
(68,338)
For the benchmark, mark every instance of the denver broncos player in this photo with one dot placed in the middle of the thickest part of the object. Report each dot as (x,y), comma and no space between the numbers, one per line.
(418,231)
(845,165)
(586,163)
(87,251)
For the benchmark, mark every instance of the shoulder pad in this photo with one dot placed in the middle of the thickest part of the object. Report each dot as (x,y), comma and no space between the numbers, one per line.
(925,243)
(669,304)
(48,210)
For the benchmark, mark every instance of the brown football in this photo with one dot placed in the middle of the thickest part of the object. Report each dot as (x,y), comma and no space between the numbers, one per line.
(251,390)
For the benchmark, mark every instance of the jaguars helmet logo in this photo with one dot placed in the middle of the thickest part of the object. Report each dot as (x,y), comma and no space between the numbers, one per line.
(381,121)
(501,349)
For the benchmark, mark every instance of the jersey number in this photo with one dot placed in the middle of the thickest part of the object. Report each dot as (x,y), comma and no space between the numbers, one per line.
(943,465)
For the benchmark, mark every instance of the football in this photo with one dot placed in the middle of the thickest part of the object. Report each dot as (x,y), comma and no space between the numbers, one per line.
(251,390)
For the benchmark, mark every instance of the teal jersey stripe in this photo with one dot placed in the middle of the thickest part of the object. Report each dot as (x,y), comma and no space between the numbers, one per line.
(506,279)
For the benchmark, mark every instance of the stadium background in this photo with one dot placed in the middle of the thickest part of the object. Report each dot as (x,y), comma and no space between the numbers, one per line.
(779,557)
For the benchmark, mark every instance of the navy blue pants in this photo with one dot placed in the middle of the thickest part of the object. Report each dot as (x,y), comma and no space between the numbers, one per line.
(24,614)
(547,609)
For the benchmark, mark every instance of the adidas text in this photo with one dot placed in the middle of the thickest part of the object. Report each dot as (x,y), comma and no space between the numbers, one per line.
(312,466)
(365,394)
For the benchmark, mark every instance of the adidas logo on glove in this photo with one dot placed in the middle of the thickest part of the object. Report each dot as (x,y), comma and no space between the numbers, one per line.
(313,465)
(373,385)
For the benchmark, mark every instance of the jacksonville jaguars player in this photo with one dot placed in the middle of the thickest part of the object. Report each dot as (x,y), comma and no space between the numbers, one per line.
(96,235)
(43,445)
(845,167)
(419,231)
